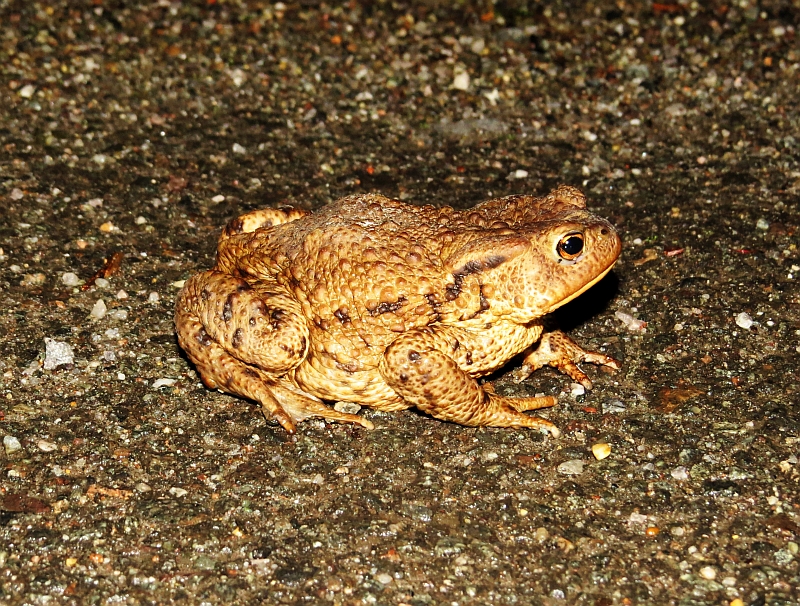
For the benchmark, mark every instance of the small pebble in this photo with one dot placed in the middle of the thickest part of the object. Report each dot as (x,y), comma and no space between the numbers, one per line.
(631,323)
(614,406)
(153,297)
(637,518)
(122,294)
(239,149)
(461,81)
(680,473)
(347,407)
(218,198)
(102,283)
(541,534)
(99,310)
(573,467)
(383,578)
(176,491)
(11,444)
(70,279)
(140,220)
(33,279)
(743,320)
(57,353)
(762,224)
(164,382)
(46,446)
(119,314)
(708,572)
(520,174)
(576,390)
(601,450)
(107,227)
(26,92)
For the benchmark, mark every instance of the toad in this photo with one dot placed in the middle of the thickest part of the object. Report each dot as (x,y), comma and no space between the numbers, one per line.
(389,305)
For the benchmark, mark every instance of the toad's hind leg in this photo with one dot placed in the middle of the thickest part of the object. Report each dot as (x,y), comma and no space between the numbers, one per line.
(244,340)
(433,382)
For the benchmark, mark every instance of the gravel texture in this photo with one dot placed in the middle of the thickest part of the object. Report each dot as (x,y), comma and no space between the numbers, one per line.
(131,132)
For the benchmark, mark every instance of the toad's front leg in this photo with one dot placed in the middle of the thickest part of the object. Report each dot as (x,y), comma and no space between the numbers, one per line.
(244,339)
(556,349)
(419,368)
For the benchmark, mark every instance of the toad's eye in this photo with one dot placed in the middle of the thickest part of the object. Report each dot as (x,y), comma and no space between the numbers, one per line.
(570,246)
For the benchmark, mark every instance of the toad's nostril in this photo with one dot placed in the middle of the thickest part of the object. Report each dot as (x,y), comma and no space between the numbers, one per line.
(604,232)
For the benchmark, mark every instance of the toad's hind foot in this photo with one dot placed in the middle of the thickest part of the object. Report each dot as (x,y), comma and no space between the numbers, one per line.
(302,406)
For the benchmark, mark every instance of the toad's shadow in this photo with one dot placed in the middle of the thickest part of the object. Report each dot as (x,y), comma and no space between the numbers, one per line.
(588,305)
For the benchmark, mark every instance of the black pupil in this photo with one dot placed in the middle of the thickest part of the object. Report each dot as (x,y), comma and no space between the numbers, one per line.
(572,245)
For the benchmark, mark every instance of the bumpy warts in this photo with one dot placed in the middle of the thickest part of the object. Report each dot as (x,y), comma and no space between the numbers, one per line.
(392,306)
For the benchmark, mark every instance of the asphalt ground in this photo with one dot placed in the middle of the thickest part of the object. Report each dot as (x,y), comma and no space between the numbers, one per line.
(130,133)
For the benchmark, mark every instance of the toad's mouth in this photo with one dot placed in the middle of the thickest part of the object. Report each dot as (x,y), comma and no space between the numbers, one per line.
(583,288)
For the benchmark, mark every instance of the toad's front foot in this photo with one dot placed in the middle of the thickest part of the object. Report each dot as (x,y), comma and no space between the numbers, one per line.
(559,351)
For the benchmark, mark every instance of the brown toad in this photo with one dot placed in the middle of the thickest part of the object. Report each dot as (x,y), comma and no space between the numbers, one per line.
(390,305)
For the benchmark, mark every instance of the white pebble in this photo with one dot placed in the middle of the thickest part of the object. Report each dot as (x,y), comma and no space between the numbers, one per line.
(383,578)
(98,310)
(102,283)
(26,92)
(576,389)
(520,173)
(46,446)
(637,518)
(680,473)
(70,279)
(175,491)
(164,382)
(461,81)
(762,224)
(218,198)
(614,406)
(57,353)
(119,314)
(708,572)
(347,407)
(17,194)
(11,444)
(573,467)
(743,320)
(239,149)
(140,220)
(153,297)
(122,294)
(631,323)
